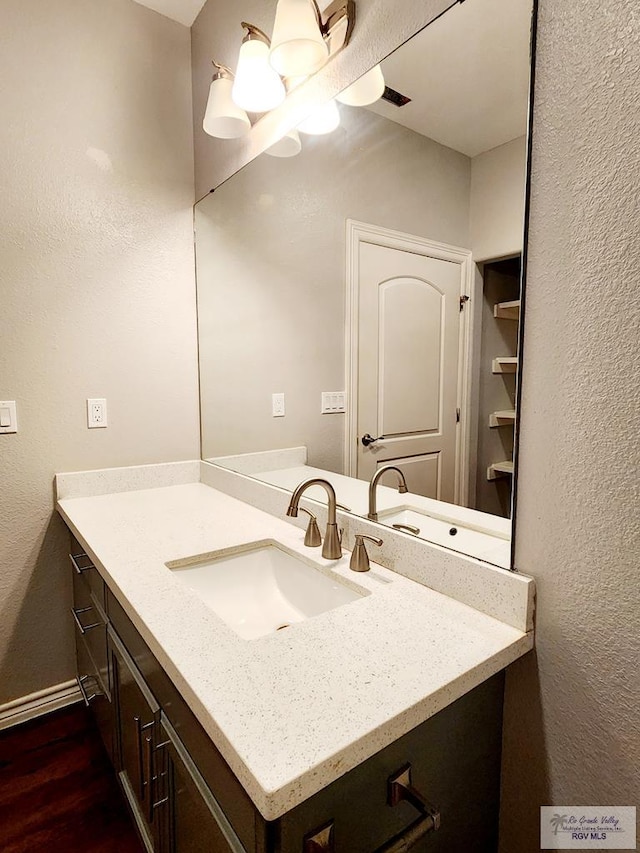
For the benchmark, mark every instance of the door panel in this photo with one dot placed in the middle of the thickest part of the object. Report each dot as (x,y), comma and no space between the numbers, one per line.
(408,355)
(410,319)
(421,472)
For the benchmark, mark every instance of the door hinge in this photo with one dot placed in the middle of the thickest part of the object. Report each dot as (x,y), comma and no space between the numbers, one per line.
(457,416)
(463,299)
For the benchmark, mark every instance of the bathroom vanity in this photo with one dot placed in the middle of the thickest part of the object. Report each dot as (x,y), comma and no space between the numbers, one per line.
(371,724)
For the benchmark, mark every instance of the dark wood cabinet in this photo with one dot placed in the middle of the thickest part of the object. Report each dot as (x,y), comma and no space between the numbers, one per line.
(137,716)
(90,623)
(195,819)
(185,798)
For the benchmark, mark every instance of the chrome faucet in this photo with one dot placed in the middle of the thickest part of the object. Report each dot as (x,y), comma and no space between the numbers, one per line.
(402,488)
(331,549)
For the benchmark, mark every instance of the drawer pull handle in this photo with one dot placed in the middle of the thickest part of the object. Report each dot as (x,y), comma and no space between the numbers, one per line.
(76,565)
(148,769)
(76,615)
(88,697)
(400,789)
(321,840)
(140,728)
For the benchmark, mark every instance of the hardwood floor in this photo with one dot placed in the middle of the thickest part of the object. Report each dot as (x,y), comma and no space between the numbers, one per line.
(58,792)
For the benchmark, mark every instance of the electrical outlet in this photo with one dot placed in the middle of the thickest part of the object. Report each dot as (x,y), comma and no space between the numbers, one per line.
(97,413)
(277,405)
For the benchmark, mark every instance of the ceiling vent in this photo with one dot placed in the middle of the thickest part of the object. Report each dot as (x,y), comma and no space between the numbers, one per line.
(395,98)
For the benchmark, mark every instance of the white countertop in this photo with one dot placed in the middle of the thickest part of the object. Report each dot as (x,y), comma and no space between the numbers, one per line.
(294,710)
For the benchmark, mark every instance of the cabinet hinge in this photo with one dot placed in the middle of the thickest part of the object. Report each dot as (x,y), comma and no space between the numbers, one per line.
(457,416)
(463,299)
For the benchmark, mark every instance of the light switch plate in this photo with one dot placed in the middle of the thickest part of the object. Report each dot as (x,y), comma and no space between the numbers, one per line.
(8,416)
(97,413)
(333,402)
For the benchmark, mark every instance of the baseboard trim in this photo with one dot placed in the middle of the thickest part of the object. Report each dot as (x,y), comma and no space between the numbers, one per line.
(39,703)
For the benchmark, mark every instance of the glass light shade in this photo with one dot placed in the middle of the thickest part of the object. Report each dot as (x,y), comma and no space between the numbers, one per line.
(288,146)
(257,88)
(222,117)
(297,46)
(366,90)
(324,119)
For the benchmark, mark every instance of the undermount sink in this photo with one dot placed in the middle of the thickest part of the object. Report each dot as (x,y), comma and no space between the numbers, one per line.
(263,588)
(443,531)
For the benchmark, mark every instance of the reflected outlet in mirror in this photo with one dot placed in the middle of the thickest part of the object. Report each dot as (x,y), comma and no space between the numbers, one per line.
(389,253)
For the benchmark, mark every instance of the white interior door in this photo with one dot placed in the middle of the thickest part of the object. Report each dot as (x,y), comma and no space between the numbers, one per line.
(407,375)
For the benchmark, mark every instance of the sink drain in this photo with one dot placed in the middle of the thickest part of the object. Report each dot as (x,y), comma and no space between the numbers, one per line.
(282,627)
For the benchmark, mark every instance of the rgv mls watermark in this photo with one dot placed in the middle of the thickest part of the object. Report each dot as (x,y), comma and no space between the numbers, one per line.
(587,827)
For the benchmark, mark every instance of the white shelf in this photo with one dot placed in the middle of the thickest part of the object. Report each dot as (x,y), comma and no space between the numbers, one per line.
(500,469)
(504,365)
(507,310)
(497,419)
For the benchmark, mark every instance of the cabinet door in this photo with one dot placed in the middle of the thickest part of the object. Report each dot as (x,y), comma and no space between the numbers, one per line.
(137,714)
(195,822)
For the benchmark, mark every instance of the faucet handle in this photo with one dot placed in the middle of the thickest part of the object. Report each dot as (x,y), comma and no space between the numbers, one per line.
(312,537)
(359,558)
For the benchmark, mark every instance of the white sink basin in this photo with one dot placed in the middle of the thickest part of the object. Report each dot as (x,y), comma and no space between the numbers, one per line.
(446,531)
(263,588)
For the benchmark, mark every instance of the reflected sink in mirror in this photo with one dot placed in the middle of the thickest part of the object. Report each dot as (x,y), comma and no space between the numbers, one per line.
(450,533)
(263,588)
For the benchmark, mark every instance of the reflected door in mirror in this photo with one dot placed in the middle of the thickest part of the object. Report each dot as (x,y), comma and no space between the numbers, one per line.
(408,355)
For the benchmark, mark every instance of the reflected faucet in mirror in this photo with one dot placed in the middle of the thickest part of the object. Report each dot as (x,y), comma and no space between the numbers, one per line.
(372,515)
(331,549)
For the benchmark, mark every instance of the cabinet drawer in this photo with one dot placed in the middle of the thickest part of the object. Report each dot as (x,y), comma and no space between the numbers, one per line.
(94,694)
(91,627)
(84,568)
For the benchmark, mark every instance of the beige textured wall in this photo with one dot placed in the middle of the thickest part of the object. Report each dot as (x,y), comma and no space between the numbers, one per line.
(271,274)
(96,284)
(497,201)
(572,725)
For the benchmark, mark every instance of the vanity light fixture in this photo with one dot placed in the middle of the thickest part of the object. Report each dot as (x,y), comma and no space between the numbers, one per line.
(222,117)
(366,90)
(324,119)
(257,88)
(297,45)
(304,38)
(288,146)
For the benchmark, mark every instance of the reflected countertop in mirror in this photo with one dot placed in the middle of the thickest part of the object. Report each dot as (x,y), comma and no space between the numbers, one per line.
(370,286)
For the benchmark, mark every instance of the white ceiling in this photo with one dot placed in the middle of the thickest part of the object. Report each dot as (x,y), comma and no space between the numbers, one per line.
(468,76)
(183,11)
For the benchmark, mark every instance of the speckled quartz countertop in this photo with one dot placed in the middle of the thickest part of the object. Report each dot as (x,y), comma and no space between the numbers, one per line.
(294,710)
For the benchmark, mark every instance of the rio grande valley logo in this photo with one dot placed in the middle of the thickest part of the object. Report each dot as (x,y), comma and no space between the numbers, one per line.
(588,828)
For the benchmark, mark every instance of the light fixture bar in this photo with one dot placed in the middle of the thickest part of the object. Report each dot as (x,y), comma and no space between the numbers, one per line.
(337,23)
(254,32)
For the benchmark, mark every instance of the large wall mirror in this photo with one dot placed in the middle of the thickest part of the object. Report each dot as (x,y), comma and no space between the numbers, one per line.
(359,303)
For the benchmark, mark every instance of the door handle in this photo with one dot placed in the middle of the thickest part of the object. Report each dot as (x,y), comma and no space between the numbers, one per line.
(368,439)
